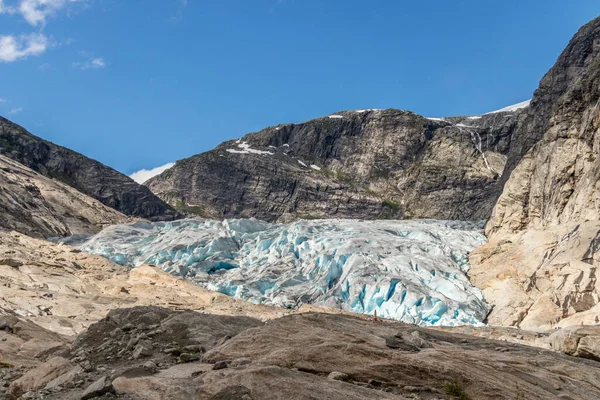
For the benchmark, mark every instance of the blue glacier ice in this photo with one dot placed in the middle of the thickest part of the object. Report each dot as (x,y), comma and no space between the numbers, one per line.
(412,270)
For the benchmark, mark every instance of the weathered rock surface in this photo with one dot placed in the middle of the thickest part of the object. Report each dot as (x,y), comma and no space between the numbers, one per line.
(580,341)
(65,290)
(38,206)
(40,376)
(90,177)
(321,356)
(540,265)
(355,164)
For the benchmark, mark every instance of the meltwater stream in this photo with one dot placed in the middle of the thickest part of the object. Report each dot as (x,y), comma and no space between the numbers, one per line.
(412,270)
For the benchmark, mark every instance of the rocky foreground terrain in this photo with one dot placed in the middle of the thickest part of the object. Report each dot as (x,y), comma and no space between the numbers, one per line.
(87,176)
(76,326)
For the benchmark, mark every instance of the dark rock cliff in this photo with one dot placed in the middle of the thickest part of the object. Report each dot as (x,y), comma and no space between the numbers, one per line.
(354,164)
(88,176)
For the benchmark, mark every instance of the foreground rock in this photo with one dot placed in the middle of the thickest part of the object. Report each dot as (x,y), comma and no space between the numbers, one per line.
(320,356)
(88,176)
(539,267)
(64,290)
(42,207)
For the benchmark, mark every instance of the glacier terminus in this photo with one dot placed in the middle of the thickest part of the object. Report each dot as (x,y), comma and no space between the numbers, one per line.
(413,270)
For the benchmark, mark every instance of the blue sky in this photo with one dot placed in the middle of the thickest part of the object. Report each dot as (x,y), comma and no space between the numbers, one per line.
(139,83)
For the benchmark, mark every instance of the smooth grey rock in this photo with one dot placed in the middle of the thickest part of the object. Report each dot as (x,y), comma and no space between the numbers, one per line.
(97,389)
(337,376)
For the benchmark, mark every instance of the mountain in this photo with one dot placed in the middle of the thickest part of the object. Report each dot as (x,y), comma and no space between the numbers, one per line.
(88,176)
(38,206)
(540,266)
(353,164)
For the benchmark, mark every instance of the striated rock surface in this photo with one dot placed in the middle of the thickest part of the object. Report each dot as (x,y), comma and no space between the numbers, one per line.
(320,356)
(353,164)
(64,290)
(540,264)
(38,206)
(88,176)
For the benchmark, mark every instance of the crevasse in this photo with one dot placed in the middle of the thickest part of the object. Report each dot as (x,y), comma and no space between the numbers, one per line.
(413,271)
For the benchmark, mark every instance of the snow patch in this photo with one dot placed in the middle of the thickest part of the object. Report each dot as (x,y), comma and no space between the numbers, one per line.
(334,116)
(301,163)
(315,167)
(367,109)
(514,107)
(246,149)
(143,175)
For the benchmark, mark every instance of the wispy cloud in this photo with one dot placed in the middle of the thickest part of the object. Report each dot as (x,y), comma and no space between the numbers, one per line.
(90,63)
(179,13)
(2,100)
(15,111)
(143,175)
(13,48)
(37,12)
(43,67)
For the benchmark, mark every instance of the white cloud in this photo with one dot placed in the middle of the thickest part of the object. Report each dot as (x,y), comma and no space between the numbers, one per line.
(15,111)
(92,63)
(13,48)
(4,9)
(36,12)
(145,174)
(2,100)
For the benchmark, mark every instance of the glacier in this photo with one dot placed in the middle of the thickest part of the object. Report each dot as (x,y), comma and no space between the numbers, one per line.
(411,270)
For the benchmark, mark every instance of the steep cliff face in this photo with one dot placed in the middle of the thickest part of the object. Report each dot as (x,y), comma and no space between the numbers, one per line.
(540,265)
(86,175)
(353,164)
(38,206)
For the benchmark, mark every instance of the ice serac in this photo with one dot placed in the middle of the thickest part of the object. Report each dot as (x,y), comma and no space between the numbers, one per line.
(413,271)
(540,265)
(88,176)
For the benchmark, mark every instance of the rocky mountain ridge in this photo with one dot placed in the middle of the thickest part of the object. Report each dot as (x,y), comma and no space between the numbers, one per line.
(43,207)
(88,176)
(353,164)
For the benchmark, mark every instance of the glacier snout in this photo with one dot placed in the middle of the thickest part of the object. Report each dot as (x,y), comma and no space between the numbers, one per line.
(413,271)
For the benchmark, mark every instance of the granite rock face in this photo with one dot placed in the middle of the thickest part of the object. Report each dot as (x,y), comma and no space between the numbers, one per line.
(38,206)
(88,176)
(353,164)
(545,228)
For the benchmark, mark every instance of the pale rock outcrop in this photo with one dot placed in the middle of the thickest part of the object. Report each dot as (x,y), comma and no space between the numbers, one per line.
(40,376)
(64,290)
(580,341)
(539,267)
